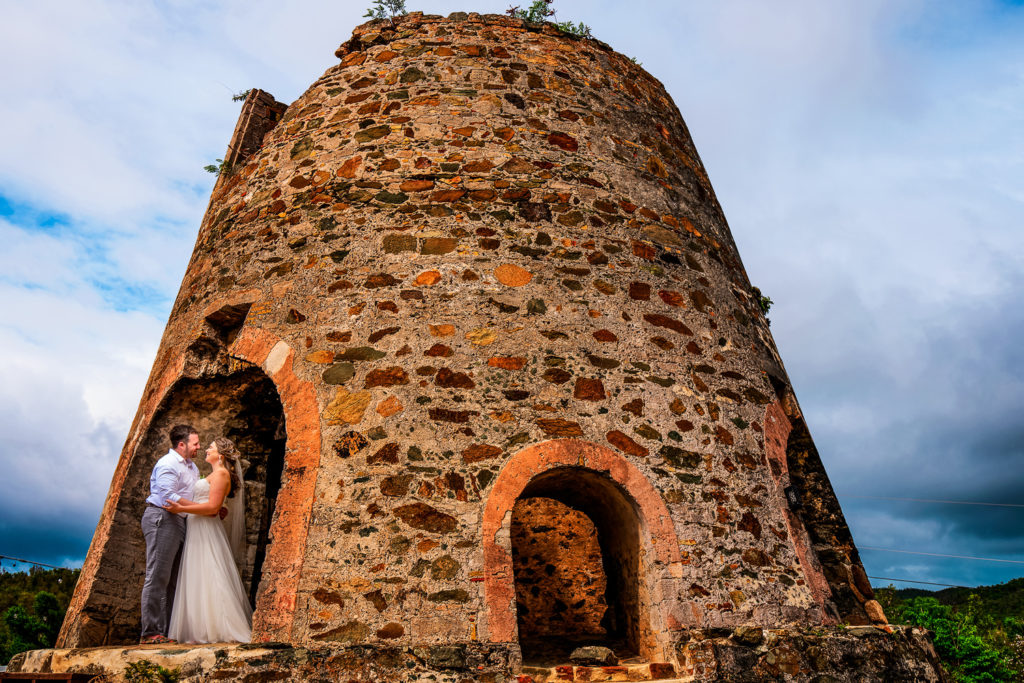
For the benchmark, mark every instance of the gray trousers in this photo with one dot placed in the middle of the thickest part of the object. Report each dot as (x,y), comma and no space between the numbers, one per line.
(164,533)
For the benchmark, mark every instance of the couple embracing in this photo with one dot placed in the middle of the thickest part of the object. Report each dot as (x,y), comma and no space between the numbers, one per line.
(195,533)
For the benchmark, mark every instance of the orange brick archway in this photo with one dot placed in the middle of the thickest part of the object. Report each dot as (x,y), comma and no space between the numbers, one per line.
(275,602)
(499,580)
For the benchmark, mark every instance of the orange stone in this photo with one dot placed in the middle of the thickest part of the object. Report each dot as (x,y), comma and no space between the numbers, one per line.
(512,276)
(353,59)
(589,389)
(478,452)
(442,330)
(416,185)
(507,362)
(386,377)
(349,168)
(427,278)
(559,427)
(389,406)
(672,298)
(321,356)
(626,444)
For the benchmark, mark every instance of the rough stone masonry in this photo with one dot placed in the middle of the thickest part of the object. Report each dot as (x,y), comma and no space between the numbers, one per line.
(479,263)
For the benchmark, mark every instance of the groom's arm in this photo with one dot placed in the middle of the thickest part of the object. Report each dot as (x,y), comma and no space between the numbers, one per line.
(165,483)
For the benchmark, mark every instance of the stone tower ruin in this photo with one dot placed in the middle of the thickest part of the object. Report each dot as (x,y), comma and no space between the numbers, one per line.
(471,311)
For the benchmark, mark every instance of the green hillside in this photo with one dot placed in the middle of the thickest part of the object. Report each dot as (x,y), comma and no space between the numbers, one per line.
(979,632)
(32,606)
(1000,601)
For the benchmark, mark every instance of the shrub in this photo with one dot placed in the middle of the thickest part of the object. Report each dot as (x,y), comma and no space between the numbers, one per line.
(540,10)
(386,9)
(763,302)
(220,168)
(145,671)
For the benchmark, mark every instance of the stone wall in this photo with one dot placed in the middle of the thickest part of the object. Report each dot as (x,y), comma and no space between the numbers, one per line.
(480,259)
(560,578)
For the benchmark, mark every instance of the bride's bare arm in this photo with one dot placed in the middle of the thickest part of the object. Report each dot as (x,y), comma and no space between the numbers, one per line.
(219,482)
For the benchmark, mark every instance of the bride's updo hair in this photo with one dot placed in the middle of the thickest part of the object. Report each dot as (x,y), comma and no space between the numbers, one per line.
(229,456)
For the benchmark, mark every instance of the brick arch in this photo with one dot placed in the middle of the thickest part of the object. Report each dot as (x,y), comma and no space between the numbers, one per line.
(657,528)
(275,602)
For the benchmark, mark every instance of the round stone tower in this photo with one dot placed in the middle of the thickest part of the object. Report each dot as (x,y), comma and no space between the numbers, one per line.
(471,311)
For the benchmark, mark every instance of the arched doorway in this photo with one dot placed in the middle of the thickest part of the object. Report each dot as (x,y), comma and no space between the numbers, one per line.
(636,540)
(578,565)
(242,404)
(254,366)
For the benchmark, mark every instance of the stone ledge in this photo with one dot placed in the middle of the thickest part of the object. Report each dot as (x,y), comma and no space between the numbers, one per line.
(256,662)
(742,655)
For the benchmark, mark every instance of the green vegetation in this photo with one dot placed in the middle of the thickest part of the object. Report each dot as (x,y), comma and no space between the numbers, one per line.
(979,632)
(32,607)
(540,10)
(145,671)
(241,96)
(763,302)
(386,9)
(220,168)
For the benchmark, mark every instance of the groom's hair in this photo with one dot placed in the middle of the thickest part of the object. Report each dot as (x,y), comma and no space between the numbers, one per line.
(180,433)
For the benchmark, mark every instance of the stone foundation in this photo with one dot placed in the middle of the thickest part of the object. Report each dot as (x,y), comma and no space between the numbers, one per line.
(743,654)
(256,663)
(856,653)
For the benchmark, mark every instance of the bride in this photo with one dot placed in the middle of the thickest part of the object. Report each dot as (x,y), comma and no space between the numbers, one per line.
(210,605)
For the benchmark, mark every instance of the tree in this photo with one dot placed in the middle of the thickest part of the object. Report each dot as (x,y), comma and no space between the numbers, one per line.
(965,654)
(32,607)
(386,9)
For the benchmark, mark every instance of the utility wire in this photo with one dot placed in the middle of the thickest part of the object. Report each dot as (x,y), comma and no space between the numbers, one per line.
(931,500)
(39,564)
(930,583)
(959,557)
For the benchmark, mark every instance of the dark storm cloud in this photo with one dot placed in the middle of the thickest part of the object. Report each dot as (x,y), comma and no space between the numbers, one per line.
(949,428)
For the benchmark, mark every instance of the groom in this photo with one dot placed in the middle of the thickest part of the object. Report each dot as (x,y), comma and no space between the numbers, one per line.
(173,478)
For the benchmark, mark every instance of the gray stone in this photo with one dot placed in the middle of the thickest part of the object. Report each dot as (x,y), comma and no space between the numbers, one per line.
(339,373)
(443,656)
(748,635)
(593,655)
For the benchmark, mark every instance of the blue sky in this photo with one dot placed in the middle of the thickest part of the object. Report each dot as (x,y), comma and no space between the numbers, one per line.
(869,157)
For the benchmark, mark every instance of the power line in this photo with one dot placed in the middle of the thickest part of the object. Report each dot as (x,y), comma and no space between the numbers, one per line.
(933,500)
(38,564)
(959,557)
(930,583)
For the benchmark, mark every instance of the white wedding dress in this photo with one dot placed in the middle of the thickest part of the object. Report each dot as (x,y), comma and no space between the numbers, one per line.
(210,605)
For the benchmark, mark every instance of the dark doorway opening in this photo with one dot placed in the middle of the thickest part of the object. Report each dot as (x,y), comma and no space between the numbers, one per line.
(258,431)
(579,567)
(234,399)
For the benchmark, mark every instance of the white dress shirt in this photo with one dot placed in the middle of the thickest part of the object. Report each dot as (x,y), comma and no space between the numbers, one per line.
(173,478)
